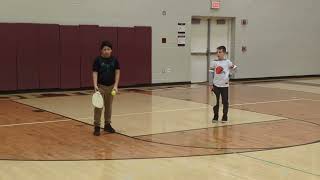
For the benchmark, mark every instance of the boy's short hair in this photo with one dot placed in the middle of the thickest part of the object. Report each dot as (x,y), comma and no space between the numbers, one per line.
(104,44)
(223,48)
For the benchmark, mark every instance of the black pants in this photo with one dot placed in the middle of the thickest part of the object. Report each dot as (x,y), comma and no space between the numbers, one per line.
(224,92)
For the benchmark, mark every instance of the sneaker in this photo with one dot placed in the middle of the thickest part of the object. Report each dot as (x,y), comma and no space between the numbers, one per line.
(108,128)
(215,118)
(96,131)
(224,118)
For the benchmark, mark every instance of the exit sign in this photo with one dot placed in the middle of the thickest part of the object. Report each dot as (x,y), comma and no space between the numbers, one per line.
(215,5)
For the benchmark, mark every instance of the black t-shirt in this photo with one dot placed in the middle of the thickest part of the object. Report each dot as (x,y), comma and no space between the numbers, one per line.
(106,68)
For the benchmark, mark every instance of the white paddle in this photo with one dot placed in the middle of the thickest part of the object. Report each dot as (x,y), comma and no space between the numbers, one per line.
(97,100)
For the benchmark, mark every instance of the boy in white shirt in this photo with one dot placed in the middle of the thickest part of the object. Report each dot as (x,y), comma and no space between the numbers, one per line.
(222,68)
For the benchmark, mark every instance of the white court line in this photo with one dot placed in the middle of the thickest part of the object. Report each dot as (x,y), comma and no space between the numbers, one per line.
(173,110)
(150,112)
(266,102)
(21,124)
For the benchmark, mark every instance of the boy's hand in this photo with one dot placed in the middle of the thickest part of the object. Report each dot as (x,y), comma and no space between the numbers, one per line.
(233,67)
(212,88)
(115,89)
(96,88)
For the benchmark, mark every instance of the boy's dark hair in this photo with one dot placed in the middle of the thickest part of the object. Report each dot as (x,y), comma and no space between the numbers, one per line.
(223,48)
(104,44)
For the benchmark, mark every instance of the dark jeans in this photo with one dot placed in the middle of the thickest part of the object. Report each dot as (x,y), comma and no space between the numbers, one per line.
(224,92)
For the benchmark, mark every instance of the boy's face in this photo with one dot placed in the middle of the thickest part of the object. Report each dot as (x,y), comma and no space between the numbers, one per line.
(220,54)
(106,51)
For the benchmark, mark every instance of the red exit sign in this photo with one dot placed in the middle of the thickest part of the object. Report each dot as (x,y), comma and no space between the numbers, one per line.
(215,5)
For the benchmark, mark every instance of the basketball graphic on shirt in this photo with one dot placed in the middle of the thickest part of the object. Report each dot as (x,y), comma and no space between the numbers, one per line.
(219,70)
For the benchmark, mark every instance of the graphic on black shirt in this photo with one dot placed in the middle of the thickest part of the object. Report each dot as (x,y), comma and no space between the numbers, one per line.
(106,68)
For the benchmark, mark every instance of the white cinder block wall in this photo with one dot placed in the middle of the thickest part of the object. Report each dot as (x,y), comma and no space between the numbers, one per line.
(282,37)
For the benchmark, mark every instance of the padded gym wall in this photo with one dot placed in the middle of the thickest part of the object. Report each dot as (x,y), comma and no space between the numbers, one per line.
(48,55)
(70,57)
(89,42)
(142,56)
(8,57)
(27,56)
(127,56)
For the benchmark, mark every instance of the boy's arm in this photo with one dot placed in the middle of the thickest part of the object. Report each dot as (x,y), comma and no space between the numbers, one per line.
(117,77)
(95,69)
(95,80)
(231,65)
(211,73)
(212,65)
(116,84)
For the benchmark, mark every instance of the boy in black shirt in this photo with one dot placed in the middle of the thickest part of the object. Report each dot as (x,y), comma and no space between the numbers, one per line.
(106,75)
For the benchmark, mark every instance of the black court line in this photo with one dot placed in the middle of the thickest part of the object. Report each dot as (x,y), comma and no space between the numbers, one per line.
(228,125)
(259,81)
(238,153)
(303,83)
(270,162)
(225,125)
(258,148)
(280,115)
(137,137)
(224,153)
(234,105)
(141,158)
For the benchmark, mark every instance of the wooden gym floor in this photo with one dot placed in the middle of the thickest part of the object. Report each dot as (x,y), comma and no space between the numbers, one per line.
(165,133)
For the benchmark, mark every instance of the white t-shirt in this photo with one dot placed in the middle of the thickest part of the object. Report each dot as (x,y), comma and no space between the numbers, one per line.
(221,72)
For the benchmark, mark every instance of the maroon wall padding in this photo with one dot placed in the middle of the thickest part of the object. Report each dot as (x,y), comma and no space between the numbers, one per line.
(89,38)
(49,56)
(142,58)
(110,34)
(27,56)
(126,56)
(70,57)
(8,61)
(37,56)
(149,55)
